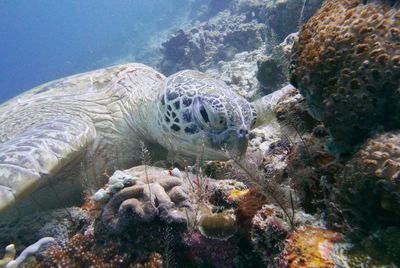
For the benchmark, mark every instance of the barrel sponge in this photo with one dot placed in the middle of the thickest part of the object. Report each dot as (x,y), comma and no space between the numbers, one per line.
(369,188)
(346,63)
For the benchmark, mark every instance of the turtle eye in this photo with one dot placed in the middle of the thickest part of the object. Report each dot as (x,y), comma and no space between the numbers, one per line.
(204,114)
(208,117)
(213,118)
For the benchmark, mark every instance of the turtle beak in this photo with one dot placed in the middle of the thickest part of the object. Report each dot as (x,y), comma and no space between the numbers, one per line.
(240,146)
(234,141)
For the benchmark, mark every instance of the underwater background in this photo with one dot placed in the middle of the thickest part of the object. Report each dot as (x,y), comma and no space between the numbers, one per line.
(318,82)
(45,40)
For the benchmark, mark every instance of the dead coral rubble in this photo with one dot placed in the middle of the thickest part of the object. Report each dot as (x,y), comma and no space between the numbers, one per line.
(347,65)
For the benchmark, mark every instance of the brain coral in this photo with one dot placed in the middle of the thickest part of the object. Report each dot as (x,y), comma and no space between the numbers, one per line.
(369,189)
(347,65)
(156,195)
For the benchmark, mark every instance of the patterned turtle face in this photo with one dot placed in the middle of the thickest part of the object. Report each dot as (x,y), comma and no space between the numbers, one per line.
(195,109)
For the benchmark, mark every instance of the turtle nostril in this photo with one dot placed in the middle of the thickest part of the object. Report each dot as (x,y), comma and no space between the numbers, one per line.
(243,133)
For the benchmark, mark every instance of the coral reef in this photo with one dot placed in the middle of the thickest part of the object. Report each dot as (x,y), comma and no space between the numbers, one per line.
(84,251)
(217,169)
(220,194)
(232,45)
(273,69)
(220,38)
(268,233)
(262,137)
(276,159)
(292,114)
(310,247)
(155,195)
(271,226)
(269,73)
(247,208)
(253,73)
(346,63)
(116,182)
(312,170)
(205,252)
(237,194)
(281,17)
(59,223)
(368,190)
(240,72)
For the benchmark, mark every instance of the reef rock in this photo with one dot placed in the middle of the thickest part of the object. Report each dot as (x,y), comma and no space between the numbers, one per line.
(281,17)
(240,73)
(207,252)
(347,65)
(269,229)
(220,38)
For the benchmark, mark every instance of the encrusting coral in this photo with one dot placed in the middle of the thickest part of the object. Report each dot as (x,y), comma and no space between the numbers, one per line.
(270,227)
(247,208)
(347,65)
(269,232)
(310,247)
(206,252)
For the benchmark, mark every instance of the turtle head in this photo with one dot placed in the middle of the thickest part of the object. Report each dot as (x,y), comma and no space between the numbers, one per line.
(198,114)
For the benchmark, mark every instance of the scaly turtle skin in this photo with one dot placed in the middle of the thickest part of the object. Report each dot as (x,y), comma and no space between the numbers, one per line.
(58,138)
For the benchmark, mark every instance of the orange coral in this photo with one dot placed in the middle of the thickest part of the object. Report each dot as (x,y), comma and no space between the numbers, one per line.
(89,204)
(310,247)
(247,208)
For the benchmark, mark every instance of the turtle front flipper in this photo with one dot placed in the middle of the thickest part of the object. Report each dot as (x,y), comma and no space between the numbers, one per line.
(29,160)
(265,106)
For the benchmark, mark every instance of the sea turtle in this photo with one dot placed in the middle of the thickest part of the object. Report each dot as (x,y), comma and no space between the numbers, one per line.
(57,135)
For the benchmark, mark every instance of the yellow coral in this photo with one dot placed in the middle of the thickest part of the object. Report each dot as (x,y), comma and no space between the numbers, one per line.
(237,194)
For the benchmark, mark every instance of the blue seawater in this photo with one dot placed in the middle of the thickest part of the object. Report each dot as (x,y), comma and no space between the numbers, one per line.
(42,40)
